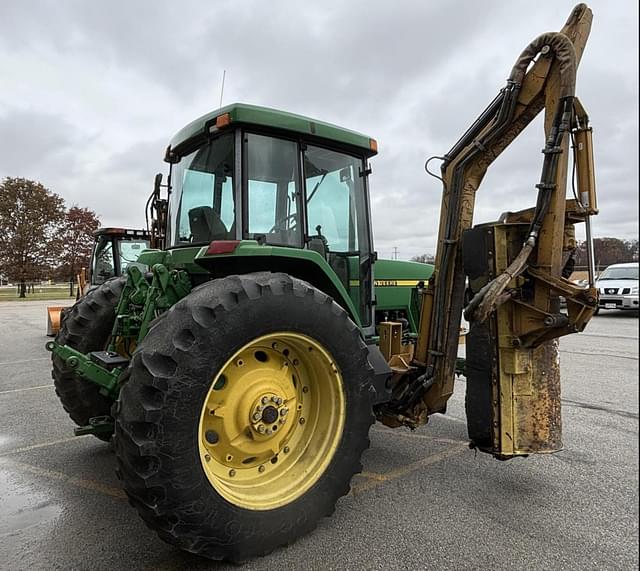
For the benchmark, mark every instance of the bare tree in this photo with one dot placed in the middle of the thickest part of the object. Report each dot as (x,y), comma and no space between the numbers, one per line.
(608,251)
(424,259)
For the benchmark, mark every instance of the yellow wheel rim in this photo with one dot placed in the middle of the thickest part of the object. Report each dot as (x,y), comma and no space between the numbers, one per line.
(271,421)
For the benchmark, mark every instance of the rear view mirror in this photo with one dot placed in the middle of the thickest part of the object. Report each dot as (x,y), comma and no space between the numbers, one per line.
(345,174)
(156,184)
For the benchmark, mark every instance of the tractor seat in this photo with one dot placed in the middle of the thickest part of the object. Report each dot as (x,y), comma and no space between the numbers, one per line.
(206,225)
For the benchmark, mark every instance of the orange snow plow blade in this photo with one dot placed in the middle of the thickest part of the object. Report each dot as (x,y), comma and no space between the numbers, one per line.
(54,313)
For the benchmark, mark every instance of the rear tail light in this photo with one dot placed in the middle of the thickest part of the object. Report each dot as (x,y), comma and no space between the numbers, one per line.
(222,247)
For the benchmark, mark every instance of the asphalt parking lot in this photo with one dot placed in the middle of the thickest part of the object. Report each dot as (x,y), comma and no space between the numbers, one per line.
(424,500)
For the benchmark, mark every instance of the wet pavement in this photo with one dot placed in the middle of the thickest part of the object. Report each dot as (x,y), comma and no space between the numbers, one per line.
(423,501)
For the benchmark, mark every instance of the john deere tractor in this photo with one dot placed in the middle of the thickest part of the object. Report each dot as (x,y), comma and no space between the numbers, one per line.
(240,377)
(114,249)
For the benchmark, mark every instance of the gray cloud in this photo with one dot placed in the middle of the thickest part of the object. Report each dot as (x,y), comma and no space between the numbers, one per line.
(92,92)
(34,141)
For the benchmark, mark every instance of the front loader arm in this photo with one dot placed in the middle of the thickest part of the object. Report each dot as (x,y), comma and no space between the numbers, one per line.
(549,83)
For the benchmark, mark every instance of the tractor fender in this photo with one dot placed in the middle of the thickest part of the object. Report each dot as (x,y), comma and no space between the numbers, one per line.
(307,265)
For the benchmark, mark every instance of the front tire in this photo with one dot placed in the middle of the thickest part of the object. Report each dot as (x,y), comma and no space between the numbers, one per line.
(206,451)
(86,327)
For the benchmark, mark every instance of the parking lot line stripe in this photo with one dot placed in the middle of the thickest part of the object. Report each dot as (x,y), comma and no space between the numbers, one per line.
(375,479)
(609,336)
(49,386)
(83,483)
(25,361)
(614,355)
(373,476)
(405,434)
(43,445)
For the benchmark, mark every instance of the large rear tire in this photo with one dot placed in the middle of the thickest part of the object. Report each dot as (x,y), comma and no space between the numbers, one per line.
(244,416)
(86,327)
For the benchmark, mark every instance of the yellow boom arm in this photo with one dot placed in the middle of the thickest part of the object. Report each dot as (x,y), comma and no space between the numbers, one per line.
(517,267)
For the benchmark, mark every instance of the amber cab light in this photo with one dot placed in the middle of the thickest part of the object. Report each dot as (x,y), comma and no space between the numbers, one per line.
(373,145)
(222,247)
(223,120)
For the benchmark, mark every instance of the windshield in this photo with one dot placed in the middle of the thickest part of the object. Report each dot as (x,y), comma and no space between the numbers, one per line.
(202,205)
(129,251)
(620,273)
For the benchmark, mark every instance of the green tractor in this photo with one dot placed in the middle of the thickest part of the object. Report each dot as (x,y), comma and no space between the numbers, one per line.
(114,249)
(240,376)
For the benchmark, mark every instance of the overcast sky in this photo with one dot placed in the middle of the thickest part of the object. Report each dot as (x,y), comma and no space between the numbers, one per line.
(91,92)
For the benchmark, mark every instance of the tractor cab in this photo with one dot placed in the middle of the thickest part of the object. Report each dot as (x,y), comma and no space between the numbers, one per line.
(284,181)
(115,249)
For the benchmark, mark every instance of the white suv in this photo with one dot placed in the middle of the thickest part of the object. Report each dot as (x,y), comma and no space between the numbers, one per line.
(618,287)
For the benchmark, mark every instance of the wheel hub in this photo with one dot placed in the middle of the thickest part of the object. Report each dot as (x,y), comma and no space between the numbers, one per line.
(269,414)
(277,416)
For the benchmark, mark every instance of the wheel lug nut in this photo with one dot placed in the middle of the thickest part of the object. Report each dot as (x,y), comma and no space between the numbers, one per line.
(284,412)
(261,468)
(278,400)
(302,420)
(261,428)
(207,458)
(282,421)
(269,431)
(286,450)
(260,408)
(256,417)
(265,400)
(232,473)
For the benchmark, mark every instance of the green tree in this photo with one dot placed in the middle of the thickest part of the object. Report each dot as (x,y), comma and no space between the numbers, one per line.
(76,242)
(30,220)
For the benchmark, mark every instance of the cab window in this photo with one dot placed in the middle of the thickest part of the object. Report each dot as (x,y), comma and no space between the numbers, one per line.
(271,166)
(103,265)
(202,204)
(337,219)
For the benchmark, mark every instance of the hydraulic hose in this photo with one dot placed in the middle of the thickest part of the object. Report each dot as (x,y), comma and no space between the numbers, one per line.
(491,295)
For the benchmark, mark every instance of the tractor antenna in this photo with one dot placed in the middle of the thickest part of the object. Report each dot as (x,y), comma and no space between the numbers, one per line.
(224,73)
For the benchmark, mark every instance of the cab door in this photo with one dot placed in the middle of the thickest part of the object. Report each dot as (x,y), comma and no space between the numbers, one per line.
(337,215)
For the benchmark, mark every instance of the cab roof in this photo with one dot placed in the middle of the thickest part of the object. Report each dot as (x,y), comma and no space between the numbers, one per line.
(122,232)
(242,113)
